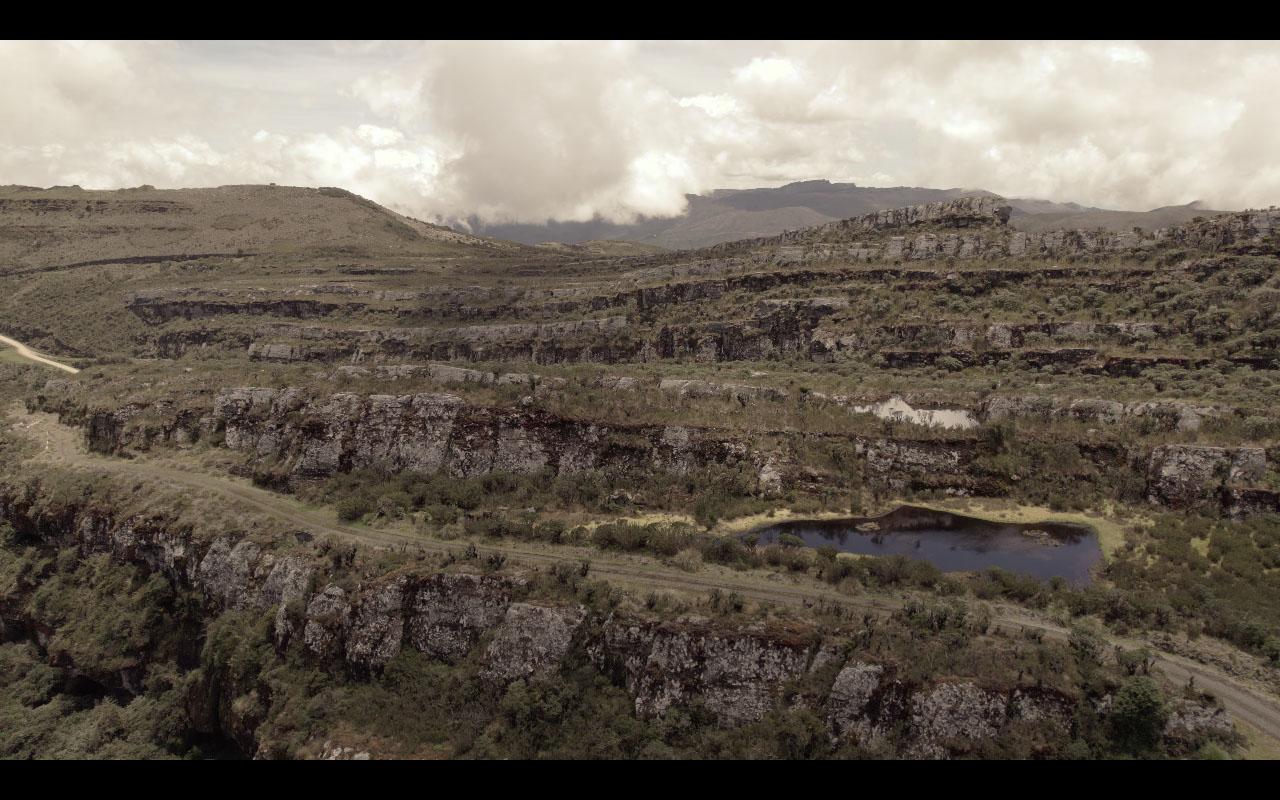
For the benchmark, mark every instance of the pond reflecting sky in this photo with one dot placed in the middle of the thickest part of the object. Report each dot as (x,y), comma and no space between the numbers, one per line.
(954,542)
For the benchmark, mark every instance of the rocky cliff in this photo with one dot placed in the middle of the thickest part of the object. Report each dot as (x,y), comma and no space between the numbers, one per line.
(738,673)
(293,433)
(972,228)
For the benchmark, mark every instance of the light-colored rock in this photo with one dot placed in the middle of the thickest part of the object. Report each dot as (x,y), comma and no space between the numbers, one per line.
(531,642)
(328,614)
(849,706)
(376,625)
(954,713)
(451,612)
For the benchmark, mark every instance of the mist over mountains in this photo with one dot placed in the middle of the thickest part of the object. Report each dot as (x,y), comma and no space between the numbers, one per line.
(729,214)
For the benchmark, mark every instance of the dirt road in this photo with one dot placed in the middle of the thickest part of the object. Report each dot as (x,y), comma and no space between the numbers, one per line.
(32,355)
(65,446)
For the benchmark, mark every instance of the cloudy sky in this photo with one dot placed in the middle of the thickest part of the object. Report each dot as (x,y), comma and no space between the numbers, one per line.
(525,131)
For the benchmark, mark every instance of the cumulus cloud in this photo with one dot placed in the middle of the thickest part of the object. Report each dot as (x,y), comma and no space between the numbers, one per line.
(532,131)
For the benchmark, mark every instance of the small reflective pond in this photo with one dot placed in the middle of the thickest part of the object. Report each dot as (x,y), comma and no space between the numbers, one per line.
(954,542)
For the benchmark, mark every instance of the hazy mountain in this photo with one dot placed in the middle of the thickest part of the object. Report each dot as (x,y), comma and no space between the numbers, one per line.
(730,214)
(1080,217)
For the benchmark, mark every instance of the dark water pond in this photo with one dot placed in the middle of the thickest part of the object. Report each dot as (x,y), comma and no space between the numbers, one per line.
(954,542)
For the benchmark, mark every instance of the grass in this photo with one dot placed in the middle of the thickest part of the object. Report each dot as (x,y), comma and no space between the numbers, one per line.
(10,356)
(752,521)
(658,517)
(1258,746)
(726,527)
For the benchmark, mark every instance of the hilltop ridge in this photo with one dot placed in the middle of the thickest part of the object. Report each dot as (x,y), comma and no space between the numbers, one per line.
(70,225)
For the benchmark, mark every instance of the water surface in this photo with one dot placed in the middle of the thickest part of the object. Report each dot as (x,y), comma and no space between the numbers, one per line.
(899,410)
(954,542)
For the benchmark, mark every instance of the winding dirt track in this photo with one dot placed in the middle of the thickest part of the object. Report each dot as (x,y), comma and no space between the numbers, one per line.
(63,445)
(32,355)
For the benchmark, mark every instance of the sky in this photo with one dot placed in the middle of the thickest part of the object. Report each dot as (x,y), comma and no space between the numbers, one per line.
(568,131)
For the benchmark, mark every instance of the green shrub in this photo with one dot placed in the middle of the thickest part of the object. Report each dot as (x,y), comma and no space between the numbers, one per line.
(1138,716)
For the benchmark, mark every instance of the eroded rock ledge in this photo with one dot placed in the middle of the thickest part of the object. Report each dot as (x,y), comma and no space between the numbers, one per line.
(293,433)
(737,672)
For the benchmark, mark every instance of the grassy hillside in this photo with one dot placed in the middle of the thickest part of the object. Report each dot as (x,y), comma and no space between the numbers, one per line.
(67,225)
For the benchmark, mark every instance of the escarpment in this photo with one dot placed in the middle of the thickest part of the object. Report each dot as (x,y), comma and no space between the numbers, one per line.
(442,615)
(864,238)
(737,672)
(496,428)
(843,323)
(297,434)
(440,432)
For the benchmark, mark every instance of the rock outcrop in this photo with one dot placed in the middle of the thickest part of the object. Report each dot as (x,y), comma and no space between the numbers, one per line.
(434,432)
(1191,476)
(449,374)
(737,672)
(868,705)
(737,676)
(531,642)
(1191,724)
(975,227)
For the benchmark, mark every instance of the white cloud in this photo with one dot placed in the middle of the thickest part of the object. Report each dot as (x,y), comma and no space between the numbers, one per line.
(771,71)
(716,105)
(532,131)
(1128,54)
(376,136)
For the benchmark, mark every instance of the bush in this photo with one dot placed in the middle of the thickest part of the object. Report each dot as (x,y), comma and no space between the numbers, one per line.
(1088,642)
(689,559)
(1138,716)
(353,507)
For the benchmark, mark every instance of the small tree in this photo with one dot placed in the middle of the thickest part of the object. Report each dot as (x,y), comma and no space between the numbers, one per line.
(1134,661)
(1088,642)
(1138,715)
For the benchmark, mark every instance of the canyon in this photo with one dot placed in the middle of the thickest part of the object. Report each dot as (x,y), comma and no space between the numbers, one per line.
(388,450)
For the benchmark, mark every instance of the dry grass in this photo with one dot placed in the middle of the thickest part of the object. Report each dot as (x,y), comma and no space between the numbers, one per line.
(753,521)
(10,356)
(1259,746)
(1201,546)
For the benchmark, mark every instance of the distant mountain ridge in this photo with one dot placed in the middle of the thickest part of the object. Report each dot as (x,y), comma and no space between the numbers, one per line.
(727,215)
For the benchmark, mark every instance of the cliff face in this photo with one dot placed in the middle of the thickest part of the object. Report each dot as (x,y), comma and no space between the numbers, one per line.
(975,227)
(296,434)
(1196,476)
(737,673)
(963,212)
(433,432)
(1249,232)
